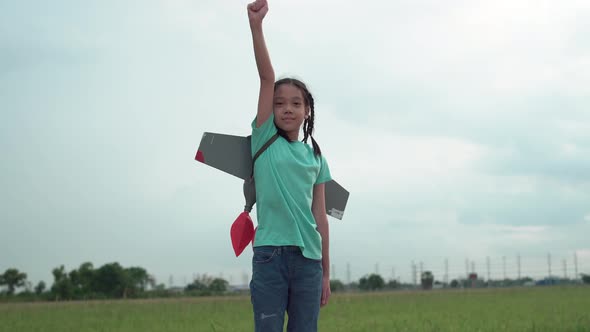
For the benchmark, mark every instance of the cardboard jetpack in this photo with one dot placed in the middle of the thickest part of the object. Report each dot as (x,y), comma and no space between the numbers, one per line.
(232,154)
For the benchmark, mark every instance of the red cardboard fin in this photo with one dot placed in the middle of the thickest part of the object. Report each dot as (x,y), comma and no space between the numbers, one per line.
(241,233)
(200,157)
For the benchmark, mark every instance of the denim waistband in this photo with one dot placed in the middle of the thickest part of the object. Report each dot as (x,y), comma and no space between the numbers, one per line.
(290,248)
(283,248)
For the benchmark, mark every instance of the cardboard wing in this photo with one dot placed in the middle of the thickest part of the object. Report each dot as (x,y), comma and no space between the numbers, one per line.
(232,154)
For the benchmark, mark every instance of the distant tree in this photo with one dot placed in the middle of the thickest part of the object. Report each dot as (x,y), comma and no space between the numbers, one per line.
(393,284)
(372,282)
(196,285)
(111,280)
(12,279)
(586,278)
(40,288)
(364,283)
(454,283)
(218,285)
(427,279)
(204,279)
(137,280)
(74,277)
(84,280)
(62,288)
(336,285)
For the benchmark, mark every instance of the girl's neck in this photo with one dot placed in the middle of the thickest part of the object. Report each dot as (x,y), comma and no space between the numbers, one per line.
(293,136)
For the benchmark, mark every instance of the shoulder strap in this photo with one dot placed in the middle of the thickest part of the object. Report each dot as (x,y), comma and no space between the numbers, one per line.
(264,147)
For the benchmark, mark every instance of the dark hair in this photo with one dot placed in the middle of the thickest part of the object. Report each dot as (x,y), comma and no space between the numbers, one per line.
(308,124)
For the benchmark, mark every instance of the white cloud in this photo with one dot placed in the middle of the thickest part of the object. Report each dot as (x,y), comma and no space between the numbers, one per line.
(523,234)
(487,49)
(376,159)
(583,254)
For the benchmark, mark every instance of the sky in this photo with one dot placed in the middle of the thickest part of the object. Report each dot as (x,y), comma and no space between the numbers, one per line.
(460,128)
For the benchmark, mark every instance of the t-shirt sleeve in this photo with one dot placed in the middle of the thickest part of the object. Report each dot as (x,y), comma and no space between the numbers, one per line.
(324,175)
(263,133)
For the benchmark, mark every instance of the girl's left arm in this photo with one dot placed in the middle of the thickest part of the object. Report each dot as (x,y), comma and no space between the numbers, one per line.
(318,208)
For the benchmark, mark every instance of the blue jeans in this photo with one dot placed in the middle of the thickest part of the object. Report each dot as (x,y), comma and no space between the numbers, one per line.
(284,280)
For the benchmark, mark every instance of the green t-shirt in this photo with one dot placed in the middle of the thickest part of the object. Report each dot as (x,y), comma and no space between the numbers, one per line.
(285,175)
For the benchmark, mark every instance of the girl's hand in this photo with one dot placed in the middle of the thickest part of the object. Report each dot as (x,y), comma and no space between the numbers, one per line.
(257,11)
(326,292)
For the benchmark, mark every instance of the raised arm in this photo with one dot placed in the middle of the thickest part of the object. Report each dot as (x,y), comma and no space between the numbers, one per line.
(256,12)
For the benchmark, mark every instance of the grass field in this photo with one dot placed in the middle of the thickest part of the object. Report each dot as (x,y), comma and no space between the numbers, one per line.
(524,309)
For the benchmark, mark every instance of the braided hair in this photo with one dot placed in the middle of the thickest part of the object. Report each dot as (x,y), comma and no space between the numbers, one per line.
(309,122)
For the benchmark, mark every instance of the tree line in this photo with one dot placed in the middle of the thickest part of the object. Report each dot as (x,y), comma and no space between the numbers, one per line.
(113,281)
(375,282)
(109,281)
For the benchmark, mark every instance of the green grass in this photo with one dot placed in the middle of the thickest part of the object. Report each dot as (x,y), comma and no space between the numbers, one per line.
(525,309)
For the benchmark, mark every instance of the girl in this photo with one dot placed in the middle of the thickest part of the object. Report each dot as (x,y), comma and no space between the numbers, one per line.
(290,265)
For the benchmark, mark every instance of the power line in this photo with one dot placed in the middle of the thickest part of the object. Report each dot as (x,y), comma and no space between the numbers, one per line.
(446,280)
(518,264)
(414,273)
(576,265)
(466,268)
(348,273)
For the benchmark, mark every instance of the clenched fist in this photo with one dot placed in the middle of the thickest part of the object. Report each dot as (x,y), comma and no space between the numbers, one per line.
(257,11)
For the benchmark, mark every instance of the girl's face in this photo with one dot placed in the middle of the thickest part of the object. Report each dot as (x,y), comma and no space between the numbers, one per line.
(290,109)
